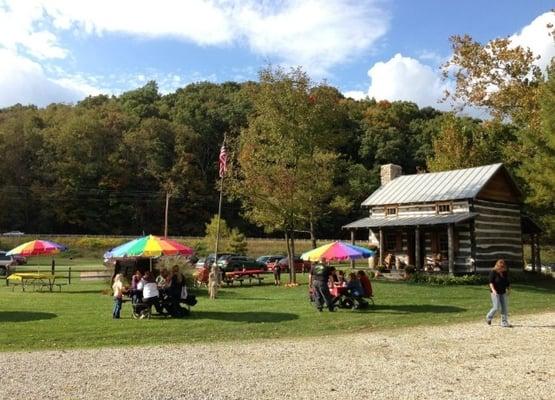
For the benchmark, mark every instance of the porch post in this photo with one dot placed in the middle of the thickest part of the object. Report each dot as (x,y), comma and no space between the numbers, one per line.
(417,261)
(451,248)
(381,247)
(538,253)
(352,242)
(533,251)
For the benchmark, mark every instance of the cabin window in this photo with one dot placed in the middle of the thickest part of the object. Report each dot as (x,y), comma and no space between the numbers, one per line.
(391,211)
(443,208)
(393,242)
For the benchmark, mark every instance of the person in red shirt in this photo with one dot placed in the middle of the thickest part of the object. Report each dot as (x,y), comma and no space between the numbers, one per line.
(365,282)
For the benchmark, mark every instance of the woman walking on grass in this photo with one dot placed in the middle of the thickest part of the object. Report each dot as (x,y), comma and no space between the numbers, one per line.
(499,287)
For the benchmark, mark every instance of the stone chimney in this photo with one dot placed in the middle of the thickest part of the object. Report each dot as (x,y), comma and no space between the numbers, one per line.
(389,172)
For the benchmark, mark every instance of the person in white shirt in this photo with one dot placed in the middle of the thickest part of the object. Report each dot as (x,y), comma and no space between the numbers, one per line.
(150,292)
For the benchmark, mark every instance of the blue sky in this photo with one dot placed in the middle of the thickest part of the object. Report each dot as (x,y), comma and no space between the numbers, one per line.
(63,50)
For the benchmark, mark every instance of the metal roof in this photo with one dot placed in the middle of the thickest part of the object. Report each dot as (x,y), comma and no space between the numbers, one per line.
(378,222)
(436,186)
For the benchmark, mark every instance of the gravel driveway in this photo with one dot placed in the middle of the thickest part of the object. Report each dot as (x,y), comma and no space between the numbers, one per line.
(463,361)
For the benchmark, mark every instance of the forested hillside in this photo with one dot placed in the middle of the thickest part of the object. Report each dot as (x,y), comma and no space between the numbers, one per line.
(105,164)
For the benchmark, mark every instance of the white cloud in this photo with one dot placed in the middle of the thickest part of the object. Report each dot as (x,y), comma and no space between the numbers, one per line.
(405,78)
(535,36)
(18,27)
(356,94)
(316,34)
(24,81)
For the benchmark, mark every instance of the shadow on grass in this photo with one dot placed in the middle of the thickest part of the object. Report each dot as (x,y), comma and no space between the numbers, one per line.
(412,309)
(24,316)
(250,317)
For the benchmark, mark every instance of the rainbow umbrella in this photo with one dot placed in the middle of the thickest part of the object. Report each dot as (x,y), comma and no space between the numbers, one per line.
(149,246)
(337,251)
(37,248)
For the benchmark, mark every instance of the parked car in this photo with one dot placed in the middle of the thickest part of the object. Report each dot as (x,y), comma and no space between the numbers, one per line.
(300,265)
(270,259)
(201,262)
(7,264)
(19,260)
(13,233)
(237,263)
(209,259)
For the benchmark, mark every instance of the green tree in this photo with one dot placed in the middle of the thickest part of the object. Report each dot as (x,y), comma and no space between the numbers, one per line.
(506,81)
(211,233)
(464,142)
(237,242)
(539,170)
(285,157)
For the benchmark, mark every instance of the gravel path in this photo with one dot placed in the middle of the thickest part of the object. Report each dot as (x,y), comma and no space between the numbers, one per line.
(464,361)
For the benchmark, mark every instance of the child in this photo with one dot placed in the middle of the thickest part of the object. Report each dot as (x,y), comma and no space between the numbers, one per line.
(277,273)
(213,282)
(118,289)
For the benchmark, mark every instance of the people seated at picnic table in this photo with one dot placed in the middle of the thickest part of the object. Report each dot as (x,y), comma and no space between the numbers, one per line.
(365,282)
(163,280)
(150,292)
(333,276)
(354,286)
(176,282)
(135,279)
(341,278)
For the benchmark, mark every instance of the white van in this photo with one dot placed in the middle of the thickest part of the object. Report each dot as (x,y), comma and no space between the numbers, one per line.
(7,264)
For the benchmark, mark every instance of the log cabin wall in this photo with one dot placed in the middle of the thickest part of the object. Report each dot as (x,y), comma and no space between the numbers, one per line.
(463,248)
(497,234)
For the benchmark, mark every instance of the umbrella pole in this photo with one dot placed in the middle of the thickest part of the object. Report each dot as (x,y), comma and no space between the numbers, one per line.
(53,266)
(150,260)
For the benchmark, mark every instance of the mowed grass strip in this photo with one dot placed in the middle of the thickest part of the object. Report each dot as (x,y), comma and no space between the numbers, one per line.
(80,315)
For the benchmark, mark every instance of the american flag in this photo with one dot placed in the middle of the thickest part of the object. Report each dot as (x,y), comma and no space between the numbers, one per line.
(223,161)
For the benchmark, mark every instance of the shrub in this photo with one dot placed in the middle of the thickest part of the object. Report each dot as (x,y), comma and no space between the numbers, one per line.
(410,269)
(237,242)
(442,279)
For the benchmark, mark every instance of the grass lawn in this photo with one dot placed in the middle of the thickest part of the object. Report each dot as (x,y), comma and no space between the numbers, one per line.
(80,316)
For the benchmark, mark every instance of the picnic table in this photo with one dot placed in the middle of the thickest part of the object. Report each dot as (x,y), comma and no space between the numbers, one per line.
(239,276)
(40,280)
(337,290)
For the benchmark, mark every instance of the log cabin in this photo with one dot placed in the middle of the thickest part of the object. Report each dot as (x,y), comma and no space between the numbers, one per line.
(459,221)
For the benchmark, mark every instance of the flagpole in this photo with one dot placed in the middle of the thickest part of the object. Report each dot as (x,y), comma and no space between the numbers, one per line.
(222,174)
(219,217)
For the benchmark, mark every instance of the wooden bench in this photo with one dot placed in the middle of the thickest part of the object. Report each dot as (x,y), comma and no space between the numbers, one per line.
(230,280)
(256,278)
(47,286)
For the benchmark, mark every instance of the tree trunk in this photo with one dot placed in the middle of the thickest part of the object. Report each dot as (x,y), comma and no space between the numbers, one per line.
(288,244)
(312,235)
(292,258)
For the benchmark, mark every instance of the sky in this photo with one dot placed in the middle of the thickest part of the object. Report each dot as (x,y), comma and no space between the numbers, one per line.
(65,50)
